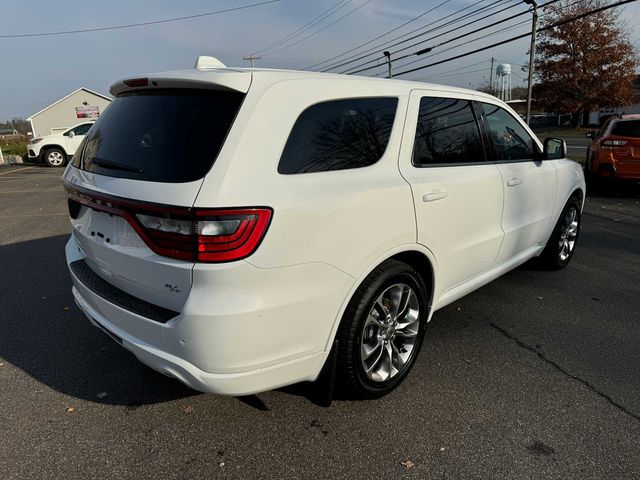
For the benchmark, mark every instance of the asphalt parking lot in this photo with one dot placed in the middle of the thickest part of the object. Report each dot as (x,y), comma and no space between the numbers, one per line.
(535,376)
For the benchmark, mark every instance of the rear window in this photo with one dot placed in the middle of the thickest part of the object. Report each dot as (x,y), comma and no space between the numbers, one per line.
(339,134)
(629,128)
(161,135)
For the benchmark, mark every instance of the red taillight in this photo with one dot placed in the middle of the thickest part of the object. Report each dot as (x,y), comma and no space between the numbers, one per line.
(203,235)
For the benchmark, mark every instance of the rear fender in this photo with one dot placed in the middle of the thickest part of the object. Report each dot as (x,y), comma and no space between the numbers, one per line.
(387,255)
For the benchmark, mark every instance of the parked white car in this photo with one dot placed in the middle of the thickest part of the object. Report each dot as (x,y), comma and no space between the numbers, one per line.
(236,228)
(56,149)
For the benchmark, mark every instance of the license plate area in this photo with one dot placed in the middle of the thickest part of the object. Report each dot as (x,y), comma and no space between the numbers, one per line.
(106,228)
(100,227)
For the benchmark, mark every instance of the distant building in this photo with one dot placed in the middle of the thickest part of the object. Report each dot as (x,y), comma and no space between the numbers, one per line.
(8,131)
(597,118)
(68,111)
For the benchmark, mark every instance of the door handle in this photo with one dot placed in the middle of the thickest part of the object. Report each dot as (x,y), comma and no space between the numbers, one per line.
(435,195)
(513,182)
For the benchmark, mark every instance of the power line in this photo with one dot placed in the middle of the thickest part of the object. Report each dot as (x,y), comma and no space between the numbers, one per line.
(455,70)
(351,71)
(453,47)
(306,26)
(376,50)
(477,38)
(459,37)
(428,77)
(379,36)
(518,37)
(140,24)
(321,29)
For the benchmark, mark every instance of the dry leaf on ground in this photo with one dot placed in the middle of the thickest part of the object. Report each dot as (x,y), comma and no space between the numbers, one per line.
(407,464)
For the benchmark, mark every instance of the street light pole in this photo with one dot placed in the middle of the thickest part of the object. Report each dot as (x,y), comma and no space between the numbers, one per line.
(387,54)
(532,54)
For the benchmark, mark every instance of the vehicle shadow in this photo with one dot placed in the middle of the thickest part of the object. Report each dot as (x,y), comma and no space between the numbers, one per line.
(614,189)
(45,335)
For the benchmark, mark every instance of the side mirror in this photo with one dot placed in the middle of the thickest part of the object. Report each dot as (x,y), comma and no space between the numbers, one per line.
(555,148)
(590,135)
(71,134)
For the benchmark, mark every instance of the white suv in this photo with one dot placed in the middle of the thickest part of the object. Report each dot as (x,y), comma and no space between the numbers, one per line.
(238,229)
(56,149)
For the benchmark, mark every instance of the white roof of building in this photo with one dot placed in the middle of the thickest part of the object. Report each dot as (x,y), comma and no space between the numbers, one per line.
(67,96)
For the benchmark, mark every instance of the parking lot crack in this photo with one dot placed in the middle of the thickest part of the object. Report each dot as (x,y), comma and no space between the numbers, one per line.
(558,367)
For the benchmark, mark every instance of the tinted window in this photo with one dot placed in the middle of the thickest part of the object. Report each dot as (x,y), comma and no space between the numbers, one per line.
(160,135)
(81,129)
(510,140)
(447,132)
(627,128)
(339,134)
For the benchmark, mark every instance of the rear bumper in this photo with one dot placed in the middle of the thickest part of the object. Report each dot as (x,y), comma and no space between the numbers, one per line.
(607,165)
(242,330)
(609,170)
(242,383)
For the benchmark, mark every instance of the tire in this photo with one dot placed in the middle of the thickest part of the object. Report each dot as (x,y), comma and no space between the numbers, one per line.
(563,241)
(55,157)
(369,325)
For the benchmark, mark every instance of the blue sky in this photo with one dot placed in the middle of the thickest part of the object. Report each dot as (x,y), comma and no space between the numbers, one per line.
(37,71)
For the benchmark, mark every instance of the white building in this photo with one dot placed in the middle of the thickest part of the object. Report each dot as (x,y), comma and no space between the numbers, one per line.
(596,118)
(68,111)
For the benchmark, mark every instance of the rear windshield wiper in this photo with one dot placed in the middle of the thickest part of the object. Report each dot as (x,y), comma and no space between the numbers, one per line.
(115,165)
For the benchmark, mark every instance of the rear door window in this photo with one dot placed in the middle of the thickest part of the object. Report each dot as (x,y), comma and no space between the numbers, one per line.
(338,135)
(80,129)
(511,142)
(626,128)
(160,135)
(447,133)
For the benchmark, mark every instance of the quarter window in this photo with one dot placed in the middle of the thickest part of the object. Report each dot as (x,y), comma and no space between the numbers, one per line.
(338,135)
(510,140)
(447,133)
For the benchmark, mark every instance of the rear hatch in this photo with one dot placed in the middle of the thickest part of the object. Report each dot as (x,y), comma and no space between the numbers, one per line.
(624,139)
(135,177)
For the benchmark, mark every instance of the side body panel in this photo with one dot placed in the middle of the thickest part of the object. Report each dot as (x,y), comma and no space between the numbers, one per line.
(462,228)
(345,218)
(529,200)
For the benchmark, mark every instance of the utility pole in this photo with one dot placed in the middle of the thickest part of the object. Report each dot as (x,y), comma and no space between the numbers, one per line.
(491,76)
(387,54)
(252,59)
(532,54)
